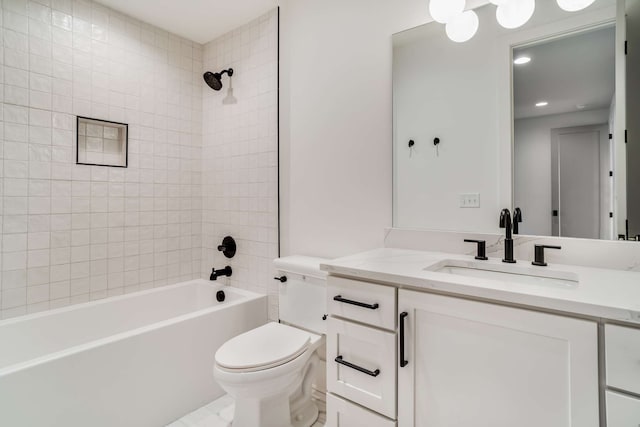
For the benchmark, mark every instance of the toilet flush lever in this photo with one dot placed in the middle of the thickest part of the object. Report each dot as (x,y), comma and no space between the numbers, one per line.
(282,279)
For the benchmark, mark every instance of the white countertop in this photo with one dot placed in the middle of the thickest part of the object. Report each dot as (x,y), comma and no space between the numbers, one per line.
(600,293)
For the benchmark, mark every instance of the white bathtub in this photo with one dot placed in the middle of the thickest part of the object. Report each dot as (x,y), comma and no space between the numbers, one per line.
(143,359)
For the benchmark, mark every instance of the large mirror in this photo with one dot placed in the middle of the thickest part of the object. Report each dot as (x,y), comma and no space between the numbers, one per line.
(534,118)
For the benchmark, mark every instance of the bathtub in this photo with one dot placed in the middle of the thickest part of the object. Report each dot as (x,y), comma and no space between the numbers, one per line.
(142,359)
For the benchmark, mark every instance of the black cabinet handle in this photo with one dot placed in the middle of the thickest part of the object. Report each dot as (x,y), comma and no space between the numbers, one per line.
(357,368)
(358,303)
(403,362)
(281,279)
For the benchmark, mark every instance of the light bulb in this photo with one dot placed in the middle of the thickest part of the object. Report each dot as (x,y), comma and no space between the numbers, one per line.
(515,13)
(521,60)
(443,11)
(463,27)
(574,5)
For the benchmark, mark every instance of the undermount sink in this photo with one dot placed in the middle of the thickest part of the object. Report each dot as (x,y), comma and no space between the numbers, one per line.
(506,273)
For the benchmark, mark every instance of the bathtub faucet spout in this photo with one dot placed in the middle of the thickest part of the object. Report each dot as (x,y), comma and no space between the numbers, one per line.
(217,273)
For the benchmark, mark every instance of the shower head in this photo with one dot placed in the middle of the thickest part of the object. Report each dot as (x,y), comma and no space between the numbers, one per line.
(214,80)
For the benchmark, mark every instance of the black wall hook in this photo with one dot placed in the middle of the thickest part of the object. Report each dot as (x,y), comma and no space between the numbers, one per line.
(436,141)
(411,143)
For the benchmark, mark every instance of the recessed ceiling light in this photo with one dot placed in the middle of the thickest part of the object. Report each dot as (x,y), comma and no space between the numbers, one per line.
(542,104)
(521,60)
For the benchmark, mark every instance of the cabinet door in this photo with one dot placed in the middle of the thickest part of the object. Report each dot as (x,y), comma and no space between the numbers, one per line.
(478,364)
(622,411)
(342,413)
(362,349)
(622,346)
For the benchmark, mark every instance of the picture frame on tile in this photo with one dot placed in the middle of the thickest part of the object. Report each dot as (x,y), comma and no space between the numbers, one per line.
(101,142)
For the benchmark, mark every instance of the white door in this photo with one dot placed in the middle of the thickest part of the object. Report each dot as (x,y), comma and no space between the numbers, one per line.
(477,364)
(577,180)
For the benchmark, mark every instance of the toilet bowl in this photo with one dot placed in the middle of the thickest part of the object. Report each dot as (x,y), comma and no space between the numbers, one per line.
(269,371)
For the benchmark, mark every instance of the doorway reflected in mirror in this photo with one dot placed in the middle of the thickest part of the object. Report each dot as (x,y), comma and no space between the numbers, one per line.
(564,108)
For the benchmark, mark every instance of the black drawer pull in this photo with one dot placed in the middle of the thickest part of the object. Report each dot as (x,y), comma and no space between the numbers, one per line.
(403,362)
(357,368)
(358,303)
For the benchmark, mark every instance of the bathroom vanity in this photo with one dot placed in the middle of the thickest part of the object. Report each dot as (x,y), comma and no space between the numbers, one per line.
(435,339)
(443,339)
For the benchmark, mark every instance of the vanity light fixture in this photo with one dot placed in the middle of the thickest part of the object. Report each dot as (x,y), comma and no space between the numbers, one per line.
(542,104)
(462,25)
(515,13)
(443,11)
(521,60)
(574,5)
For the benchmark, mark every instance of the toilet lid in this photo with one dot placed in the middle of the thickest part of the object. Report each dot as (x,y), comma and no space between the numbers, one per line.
(269,345)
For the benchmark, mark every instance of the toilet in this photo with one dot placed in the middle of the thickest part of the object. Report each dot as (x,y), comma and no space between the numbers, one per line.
(269,370)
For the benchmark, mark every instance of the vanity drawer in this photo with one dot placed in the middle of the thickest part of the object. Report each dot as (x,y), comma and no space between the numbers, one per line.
(622,411)
(361,365)
(342,413)
(363,302)
(623,357)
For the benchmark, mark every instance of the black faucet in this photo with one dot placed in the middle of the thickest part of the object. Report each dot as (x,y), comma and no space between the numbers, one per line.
(517,218)
(505,222)
(217,273)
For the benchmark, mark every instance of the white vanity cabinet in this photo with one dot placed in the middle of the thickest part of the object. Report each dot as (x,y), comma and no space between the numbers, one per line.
(361,354)
(478,364)
(622,410)
(622,345)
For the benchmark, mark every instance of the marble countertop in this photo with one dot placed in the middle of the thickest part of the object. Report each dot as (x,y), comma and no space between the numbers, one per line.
(599,293)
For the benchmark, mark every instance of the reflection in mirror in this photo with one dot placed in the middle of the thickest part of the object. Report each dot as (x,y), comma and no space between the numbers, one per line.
(564,72)
(445,91)
(633,116)
(564,112)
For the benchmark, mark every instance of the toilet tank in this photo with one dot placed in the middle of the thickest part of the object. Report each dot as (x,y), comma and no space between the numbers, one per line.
(303,297)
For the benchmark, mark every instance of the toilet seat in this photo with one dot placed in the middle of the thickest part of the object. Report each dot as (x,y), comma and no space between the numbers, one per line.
(265,347)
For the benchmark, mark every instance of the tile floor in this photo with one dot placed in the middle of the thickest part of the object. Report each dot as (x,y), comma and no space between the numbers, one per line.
(219,413)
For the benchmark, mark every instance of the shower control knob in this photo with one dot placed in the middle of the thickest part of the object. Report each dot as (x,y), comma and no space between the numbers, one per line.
(228,247)
(282,279)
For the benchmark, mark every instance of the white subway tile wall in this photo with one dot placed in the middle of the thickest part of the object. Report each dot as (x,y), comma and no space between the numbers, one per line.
(74,233)
(240,157)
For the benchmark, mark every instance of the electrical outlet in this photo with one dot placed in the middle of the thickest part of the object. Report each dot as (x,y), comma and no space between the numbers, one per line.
(470,200)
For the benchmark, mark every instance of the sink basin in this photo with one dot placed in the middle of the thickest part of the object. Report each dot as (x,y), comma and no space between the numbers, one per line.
(506,273)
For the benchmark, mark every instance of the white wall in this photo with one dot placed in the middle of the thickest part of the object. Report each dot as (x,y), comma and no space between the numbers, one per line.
(532,164)
(74,233)
(336,121)
(239,155)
